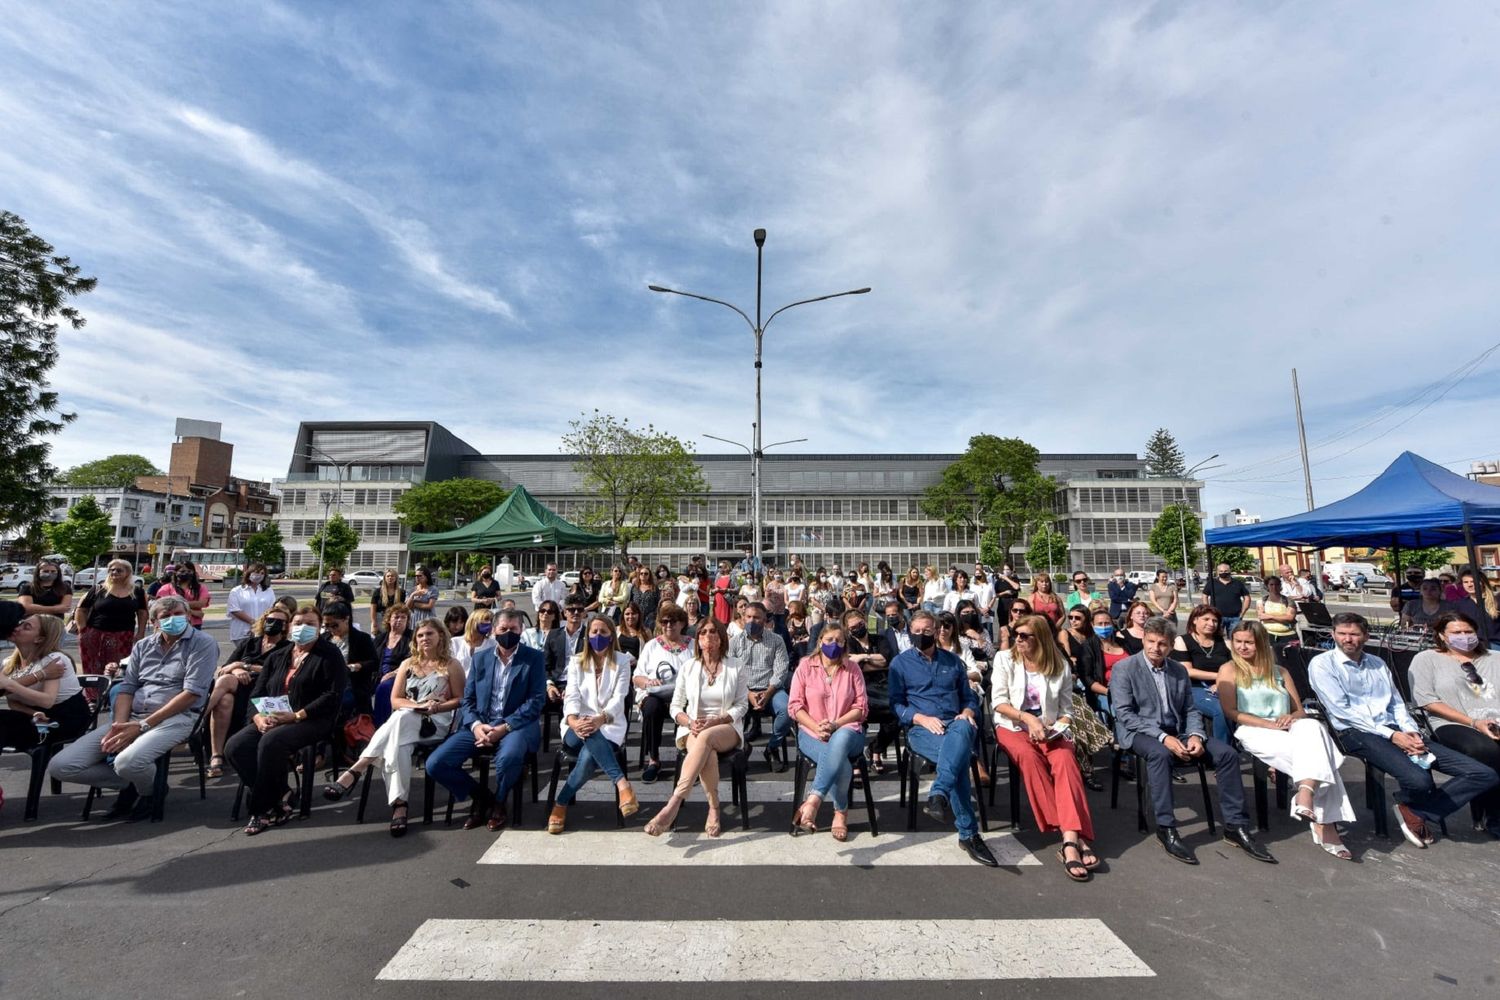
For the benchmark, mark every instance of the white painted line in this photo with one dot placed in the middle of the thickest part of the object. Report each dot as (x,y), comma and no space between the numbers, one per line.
(744,951)
(631,848)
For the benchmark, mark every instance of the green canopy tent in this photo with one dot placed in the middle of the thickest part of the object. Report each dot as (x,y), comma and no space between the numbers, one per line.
(521,522)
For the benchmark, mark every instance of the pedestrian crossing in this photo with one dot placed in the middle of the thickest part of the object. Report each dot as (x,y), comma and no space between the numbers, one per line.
(848,951)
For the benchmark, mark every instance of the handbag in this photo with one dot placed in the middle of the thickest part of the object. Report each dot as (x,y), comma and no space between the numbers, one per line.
(359,730)
(427,729)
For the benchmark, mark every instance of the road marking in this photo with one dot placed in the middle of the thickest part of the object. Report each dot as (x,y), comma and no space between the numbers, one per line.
(759,848)
(742,951)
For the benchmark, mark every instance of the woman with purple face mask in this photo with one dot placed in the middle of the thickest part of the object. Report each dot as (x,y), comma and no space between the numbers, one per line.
(474,637)
(594,718)
(829,703)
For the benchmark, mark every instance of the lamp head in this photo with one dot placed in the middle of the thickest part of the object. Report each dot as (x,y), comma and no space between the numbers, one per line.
(760,237)
(656,288)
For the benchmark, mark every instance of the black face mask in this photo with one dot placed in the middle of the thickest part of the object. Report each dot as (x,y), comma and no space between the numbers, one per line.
(969,621)
(507,639)
(858,631)
(922,641)
(275,626)
(893,621)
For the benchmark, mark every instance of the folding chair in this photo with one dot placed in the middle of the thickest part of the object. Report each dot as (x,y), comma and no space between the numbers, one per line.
(799,786)
(911,782)
(570,757)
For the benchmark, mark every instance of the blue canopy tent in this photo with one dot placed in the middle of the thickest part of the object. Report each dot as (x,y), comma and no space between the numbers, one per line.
(1414,503)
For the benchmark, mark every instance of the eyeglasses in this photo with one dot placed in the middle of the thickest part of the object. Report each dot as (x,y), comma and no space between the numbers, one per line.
(1024,636)
(570,612)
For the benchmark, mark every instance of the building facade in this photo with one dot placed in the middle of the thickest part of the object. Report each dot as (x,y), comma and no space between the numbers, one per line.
(139,517)
(826,509)
(233,508)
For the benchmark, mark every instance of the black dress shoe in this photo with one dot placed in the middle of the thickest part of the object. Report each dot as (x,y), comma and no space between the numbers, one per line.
(938,808)
(124,803)
(979,851)
(1240,837)
(651,772)
(1174,845)
(142,809)
(479,810)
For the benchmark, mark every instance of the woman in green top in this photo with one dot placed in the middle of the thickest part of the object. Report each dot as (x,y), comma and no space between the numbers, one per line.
(1260,702)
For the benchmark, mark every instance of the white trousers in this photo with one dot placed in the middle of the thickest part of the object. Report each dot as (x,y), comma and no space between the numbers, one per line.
(392,745)
(1306,752)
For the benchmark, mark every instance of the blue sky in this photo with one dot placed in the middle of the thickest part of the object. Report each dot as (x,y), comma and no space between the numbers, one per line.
(1081,222)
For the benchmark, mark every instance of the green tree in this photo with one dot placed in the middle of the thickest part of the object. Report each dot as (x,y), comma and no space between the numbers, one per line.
(35,286)
(84,535)
(1238,557)
(990,552)
(638,475)
(266,546)
(342,540)
(1163,458)
(1435,557)
(1166,536)
(112,470)
(1048,550)
(438,505)
(994,486)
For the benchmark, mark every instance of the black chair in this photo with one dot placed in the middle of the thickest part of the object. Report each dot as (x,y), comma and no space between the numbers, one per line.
(550,710)
(482,757)
(1012,777)
(1262,774)
(42,753)
(1139,771)
(570,757)
(197,746)
(739,770)
(308,757)
(911,780)
(799,786)
(429,787)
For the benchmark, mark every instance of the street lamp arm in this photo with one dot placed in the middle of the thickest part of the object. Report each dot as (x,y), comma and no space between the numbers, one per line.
(705,298)
(744,448)
(778,444)
(803,302)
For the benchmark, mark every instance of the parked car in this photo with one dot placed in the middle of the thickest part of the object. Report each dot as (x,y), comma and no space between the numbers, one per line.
(1341,575)
(91,577)
(12,579)
(367,579)
(571,579)
(1141,577)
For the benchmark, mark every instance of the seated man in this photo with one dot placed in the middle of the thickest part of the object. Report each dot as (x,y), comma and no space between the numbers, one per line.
(930,694)
(163,687)
(502,707)
(1361,702)
(562,645)
(1157,720)
(764,658)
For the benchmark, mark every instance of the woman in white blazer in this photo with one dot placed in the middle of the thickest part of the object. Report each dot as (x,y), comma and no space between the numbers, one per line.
(1032,690)
(709,706)
(594,717)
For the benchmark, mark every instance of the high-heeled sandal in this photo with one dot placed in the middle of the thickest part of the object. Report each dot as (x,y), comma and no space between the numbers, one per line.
(336,790)
(805,821)
(1339,851)
(840,828)
(398,823)
(662,822)
(713,827)
(1304,813)
(215,770)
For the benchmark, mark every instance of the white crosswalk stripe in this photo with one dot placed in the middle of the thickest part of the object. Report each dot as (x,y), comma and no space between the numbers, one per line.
(736,950)
(756,847)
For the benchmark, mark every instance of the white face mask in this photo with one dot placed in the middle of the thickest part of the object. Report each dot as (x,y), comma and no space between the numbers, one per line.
(257,577)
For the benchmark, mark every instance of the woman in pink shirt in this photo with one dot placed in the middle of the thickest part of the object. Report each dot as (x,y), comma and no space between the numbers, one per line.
(829,704)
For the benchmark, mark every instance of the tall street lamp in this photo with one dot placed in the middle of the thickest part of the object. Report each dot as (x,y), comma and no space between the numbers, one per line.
(1187,572)
(757,328)
(754,479)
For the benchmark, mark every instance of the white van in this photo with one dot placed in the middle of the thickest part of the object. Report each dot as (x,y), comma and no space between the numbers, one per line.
(1341,574)
(1141,577)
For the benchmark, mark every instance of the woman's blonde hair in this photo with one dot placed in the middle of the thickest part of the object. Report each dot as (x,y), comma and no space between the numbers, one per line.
(1261,667)
(1049,658)
(443,653)
(584,654)
(51,629)
(476,618)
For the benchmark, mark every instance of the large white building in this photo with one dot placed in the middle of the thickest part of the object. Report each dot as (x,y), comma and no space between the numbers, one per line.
(824,508)
(139,517)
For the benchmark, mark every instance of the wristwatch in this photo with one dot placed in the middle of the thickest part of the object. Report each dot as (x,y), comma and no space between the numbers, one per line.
(145,725)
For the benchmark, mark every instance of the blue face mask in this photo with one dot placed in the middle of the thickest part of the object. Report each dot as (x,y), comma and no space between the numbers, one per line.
(832,650)
(484,628)
(599,643)
(754,629)
(173,625)
(304,633)
(1104,631)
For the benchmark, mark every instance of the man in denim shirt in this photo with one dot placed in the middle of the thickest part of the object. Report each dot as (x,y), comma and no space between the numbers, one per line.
(157,701)
(930,695)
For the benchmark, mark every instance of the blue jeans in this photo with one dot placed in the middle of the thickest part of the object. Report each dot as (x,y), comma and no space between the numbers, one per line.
(596,751)
(448,764)
(1213,712)
(781,722)
(1229,624)
(952,753)
(1467,778)
(835,760)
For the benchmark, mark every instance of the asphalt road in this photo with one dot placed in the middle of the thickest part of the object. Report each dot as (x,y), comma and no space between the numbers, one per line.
(192,908)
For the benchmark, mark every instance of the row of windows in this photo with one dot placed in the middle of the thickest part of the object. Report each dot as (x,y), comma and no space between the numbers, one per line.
(366,527)
(1113,529)
(378,559)
(1148,499)
(351,498)
(738,509)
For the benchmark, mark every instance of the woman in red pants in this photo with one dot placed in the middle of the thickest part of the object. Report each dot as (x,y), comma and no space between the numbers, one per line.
(1032,690)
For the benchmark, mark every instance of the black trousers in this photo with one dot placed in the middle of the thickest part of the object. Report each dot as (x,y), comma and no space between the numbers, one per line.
(262,760)
(71,715)
(1486,750)
(1225,762)
(654,709)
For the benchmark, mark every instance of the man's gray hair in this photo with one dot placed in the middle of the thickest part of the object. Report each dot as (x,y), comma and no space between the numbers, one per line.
(1157,625)
(507,615)
(169,605)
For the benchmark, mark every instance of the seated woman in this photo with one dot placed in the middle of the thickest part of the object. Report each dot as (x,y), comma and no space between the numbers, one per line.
(1458,684)
(1202,651)
(310,674)
(41,687)
(632,632)
(1111,651)
(796,627)
(392,647)
(661,662)
(829,703)
(1260,700)
(1033,692)
(476,636)
(1132,632)
(1019,608)
(228,701)
(709,706)
(1427,606)
(594,720)
(428,687)
(548,617)
(1278,613)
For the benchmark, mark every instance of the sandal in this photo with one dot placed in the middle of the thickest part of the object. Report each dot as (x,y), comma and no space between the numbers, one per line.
(877,763)
(257,824)
(336,790)
(1337,850)
(1090,859)
(398,823)
(283,813)
(215,770)
(1077,870)
(1303,812)
(712,827)
(840,826)
(802,822)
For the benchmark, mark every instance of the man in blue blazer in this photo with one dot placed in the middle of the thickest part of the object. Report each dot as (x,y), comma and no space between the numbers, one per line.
(1155,719)
(502,708)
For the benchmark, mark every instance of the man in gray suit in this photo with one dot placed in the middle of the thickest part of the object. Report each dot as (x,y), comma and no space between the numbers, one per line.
(1155,719)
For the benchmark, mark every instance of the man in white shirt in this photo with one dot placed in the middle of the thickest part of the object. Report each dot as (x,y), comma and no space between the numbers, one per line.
(836,579)
(550,587)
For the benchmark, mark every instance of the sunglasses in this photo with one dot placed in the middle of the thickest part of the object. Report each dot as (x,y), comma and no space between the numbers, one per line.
(1024,635)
